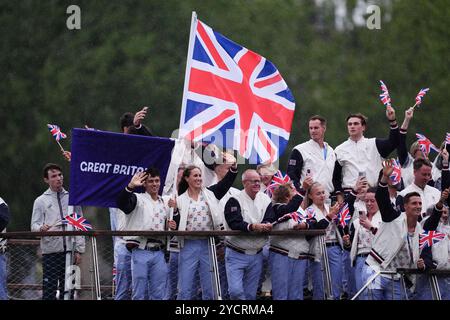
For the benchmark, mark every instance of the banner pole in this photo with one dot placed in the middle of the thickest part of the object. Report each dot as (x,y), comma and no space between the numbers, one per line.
(194,22)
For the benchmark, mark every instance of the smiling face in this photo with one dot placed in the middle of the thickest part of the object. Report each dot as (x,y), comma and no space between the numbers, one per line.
(413,207)
(252,183)
(371,203)
(152,185)
(194,179)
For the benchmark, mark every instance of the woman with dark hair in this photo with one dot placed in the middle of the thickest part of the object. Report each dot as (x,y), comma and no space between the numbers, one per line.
(199,211)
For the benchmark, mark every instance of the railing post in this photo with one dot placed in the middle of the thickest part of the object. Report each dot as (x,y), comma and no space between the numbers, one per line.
(434,286)
(215,277)
(98,295)
(328,289)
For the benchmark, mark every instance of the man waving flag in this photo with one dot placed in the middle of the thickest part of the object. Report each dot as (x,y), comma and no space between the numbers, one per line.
(234,97)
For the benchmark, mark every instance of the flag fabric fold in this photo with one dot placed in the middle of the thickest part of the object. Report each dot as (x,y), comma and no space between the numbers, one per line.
(428,238)
(56,132)
(384,96)
(79,222)
(425,144)
(420,95)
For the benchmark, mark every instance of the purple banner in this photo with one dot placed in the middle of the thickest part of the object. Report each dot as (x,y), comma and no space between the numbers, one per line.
(103,163)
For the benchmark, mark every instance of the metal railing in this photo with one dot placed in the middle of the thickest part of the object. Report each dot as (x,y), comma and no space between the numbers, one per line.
(95,282)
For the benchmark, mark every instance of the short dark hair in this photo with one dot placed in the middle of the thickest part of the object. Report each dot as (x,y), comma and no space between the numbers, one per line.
(410,195)
(322,120)
(153,172)
(126,120)
(418,163)
(358,115)
(372,190)
(50,166)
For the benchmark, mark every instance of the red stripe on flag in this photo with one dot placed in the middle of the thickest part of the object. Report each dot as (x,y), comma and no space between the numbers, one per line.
(269,81)
(212,49)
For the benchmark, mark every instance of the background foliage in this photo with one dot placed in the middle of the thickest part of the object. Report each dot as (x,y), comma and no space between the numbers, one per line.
(132,53)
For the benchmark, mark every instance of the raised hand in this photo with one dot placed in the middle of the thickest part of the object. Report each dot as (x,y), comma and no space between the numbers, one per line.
(307,183)
(390,113)
(138,180)
(139,116)
(388,167)
(67,155)
(444,154)
(334,211)
(409,113)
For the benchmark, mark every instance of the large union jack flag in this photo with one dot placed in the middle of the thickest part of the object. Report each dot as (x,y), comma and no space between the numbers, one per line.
(425,144)
(234,98)
(427,239)
(56,132)
(78,222)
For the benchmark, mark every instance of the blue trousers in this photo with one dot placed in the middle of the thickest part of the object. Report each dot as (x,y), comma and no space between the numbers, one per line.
(243,274)
(348,279)
(287,277)
(123,272)
(382,288)
(423,288)
(172,277)
(317,271)
(193,257)
(53,265)
(149,272)
(359,277)
(3,277)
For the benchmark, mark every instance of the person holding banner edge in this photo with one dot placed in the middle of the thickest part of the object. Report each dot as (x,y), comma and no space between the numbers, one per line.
(147,212)
(199,209)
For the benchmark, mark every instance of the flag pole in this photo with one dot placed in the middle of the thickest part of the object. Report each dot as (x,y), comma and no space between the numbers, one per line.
(59,144)
(187,73)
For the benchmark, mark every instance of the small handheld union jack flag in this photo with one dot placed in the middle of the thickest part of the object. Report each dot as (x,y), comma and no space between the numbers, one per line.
(427,239)
(308,214)
(396,175)
(343,216)
(384,96)
(447,138)
(288,216)
(78,222)
(425,144)
(420,95)
(277,179)
(56,132)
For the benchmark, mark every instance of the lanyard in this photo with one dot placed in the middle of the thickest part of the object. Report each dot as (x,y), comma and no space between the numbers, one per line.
(325,150)
(410,251)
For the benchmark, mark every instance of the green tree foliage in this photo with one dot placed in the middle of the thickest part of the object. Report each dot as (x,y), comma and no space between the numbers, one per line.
(132,53)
